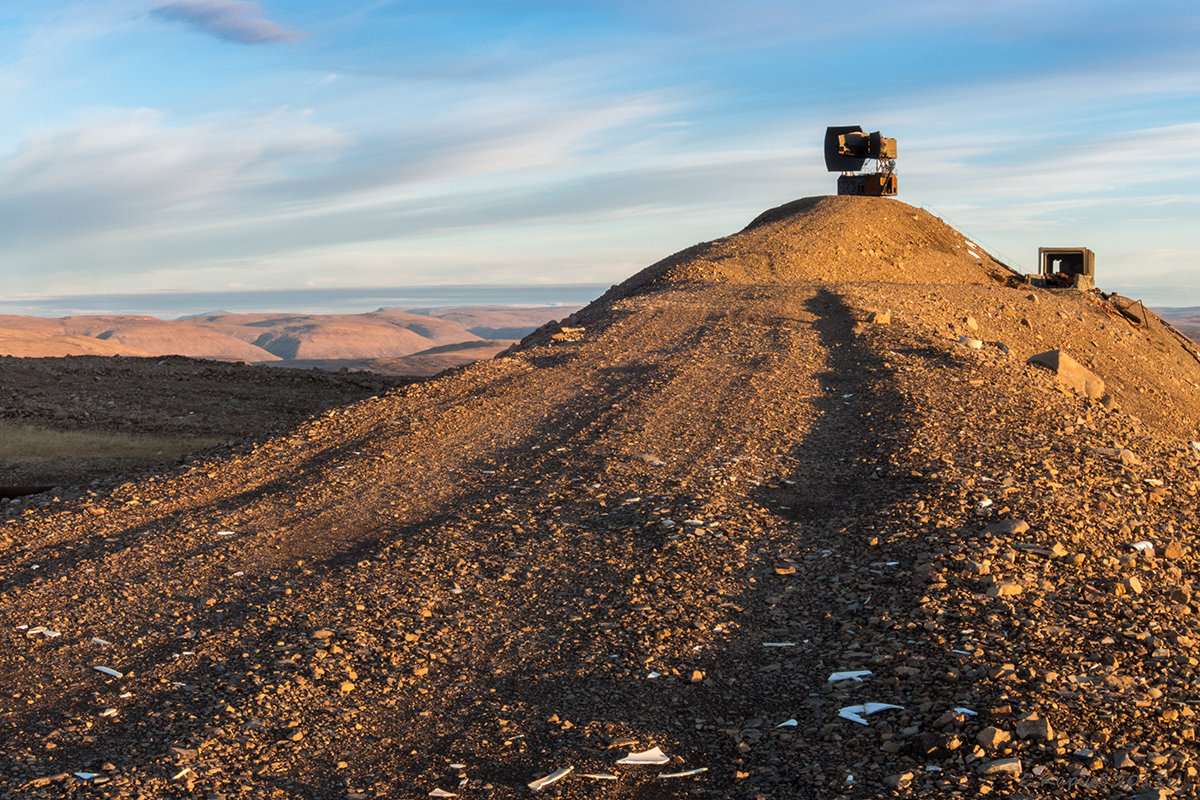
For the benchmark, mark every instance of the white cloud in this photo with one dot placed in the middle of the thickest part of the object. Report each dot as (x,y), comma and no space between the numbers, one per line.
(121,169)
(232,20)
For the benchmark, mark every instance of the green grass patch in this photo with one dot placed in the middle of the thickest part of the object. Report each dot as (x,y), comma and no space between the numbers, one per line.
(20,443)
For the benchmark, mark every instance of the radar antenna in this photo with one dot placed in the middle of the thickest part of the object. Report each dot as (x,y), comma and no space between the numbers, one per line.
(848,149)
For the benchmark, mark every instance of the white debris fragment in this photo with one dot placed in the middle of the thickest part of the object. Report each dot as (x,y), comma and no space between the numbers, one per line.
(181,773)
(654,755)
(1142,546)
(600,776)
(557,775)
(108,712)
(859,713)
(654,675)
(966,711)
(788,723)
(101,642)
(669,775)
(86,776)
(44,631)
(112,673)
(458,766)
(1195,448)
(226,533)
(850,675)
(779,644)
(442,793)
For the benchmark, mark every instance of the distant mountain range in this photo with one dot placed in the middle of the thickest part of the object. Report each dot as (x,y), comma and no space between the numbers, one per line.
(390,340)
(1187,320)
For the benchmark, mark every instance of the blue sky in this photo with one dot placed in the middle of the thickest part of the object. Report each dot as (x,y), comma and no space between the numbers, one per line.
(203,145)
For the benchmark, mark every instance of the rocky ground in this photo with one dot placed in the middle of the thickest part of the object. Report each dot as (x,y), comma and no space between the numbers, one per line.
(167,396)
(662,527)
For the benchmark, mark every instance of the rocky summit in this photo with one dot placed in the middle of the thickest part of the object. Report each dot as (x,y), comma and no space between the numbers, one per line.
(789,514)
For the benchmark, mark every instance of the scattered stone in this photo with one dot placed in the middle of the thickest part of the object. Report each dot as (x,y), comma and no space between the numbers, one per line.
(1008,527)
(1035,727)
(992,737)
(1002,766)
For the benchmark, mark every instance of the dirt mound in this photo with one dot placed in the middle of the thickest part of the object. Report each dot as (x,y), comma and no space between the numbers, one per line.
(832,239)
(674,522)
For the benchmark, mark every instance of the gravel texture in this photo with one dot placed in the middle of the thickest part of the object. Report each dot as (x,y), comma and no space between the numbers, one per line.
(663,524)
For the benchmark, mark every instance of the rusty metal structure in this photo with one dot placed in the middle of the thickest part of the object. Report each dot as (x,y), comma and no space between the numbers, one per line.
(1067,267)
(848,149)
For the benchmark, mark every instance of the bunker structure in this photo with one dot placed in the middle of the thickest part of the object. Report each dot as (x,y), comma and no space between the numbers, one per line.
(848,149)
(1066,267)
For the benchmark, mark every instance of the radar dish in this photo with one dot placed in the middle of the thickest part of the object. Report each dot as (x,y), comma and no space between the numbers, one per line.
(834,161)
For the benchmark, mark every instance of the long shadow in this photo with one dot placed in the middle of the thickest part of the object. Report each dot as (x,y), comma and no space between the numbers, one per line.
(407,538)
(540,662)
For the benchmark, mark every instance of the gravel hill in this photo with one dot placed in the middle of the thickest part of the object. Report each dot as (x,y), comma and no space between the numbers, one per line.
(666,523)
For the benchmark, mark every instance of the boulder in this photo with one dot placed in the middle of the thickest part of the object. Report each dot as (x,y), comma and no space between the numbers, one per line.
(1070,373)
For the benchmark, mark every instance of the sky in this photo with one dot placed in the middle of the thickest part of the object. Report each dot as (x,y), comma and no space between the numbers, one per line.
(214,145)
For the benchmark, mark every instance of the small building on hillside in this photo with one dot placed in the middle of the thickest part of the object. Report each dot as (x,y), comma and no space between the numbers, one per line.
(1073,267)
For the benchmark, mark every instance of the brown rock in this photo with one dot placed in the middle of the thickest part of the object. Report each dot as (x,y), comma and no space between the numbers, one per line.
(1070,373)
(992,737)
(1002,766)
(1008,527)
(1034,727)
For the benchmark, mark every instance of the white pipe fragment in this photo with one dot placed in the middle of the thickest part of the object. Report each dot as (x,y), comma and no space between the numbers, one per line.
(557,775)
(860,712)
(600,776)
(788,723)
(669,775)
(112,673)
(654,755)
(855,675)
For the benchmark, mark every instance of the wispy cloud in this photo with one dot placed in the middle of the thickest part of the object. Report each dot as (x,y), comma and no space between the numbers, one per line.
(119,169)
(233,20)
